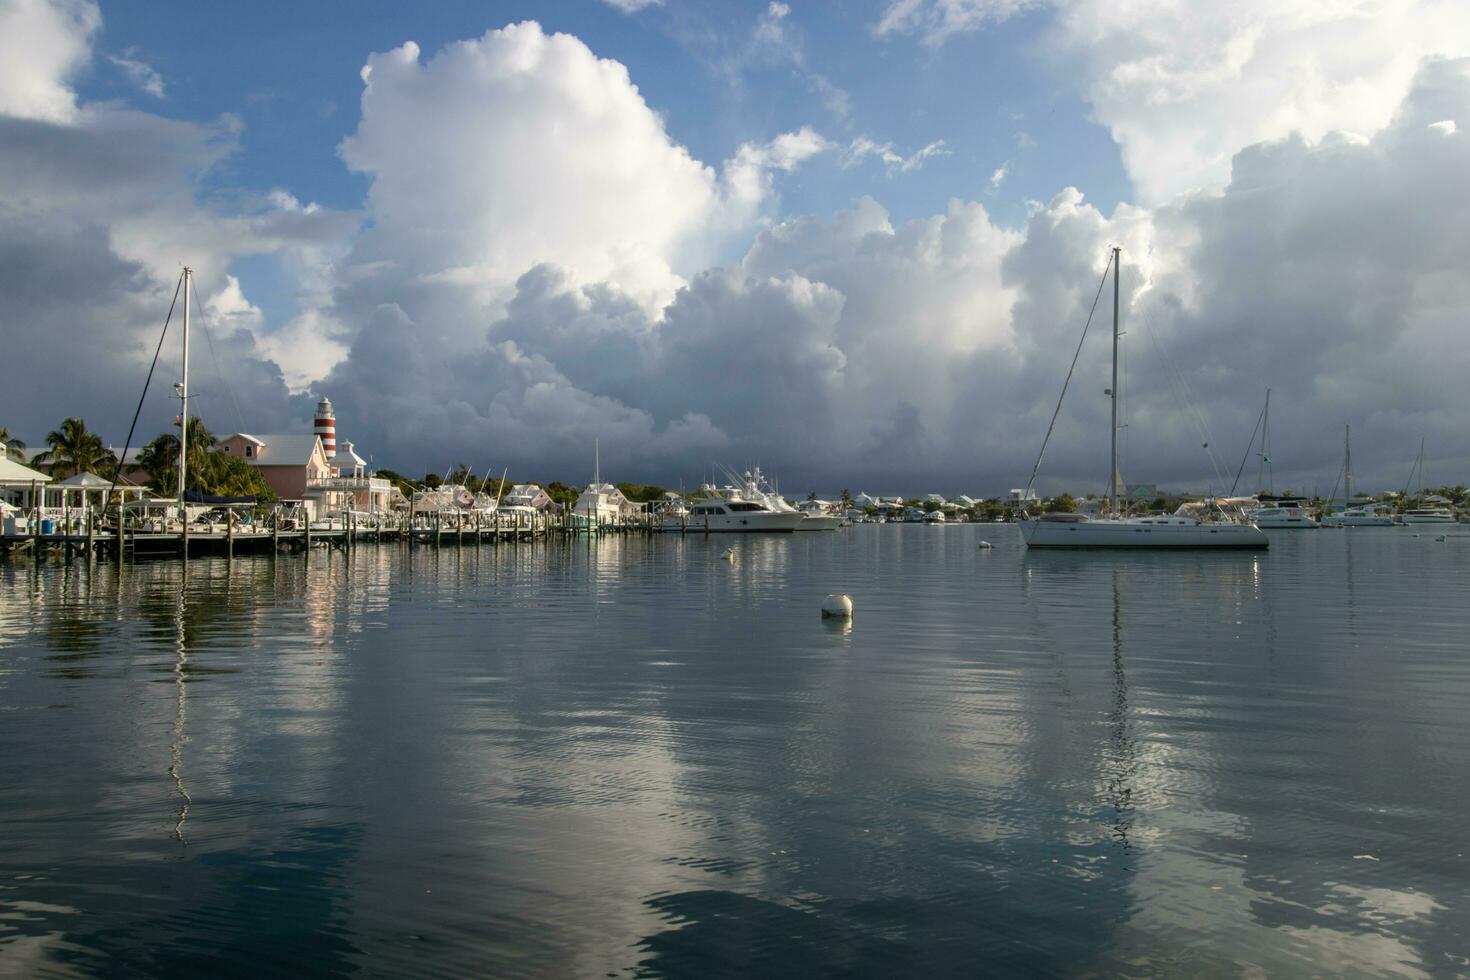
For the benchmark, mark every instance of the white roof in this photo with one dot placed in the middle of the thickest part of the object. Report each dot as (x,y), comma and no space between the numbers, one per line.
(87,481)
(288,449)
(13,474)
(344,449)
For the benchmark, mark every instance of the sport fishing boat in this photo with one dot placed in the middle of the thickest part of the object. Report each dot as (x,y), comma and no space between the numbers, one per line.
(752,486)
(733,515)
(1114,530)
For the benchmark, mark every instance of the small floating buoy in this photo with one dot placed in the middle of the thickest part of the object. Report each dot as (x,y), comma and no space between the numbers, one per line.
(986,546)
(728,554)
(837,606)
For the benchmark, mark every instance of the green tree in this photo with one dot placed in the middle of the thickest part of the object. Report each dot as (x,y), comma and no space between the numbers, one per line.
(160,460)
(1061,504)
(73,449)
(432,481)
(562,494)
(847,498)
(641,493)
(13,446)
(403,483)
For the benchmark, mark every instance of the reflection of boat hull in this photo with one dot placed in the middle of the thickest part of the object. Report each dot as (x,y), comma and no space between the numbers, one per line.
(1143,533)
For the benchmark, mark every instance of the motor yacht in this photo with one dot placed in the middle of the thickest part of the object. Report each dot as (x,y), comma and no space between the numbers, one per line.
(1428,515)
(734,515)
(1371,515)
(1282,513)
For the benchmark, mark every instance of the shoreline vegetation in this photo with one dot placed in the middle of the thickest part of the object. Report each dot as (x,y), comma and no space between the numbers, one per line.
(72,448)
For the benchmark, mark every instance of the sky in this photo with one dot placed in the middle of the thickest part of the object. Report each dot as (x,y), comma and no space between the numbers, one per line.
(855,243)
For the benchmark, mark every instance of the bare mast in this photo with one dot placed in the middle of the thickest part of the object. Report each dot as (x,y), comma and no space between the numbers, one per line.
(183,388)
(1113,391)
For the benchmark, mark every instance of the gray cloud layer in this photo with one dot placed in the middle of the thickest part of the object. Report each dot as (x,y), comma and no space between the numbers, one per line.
(841,350)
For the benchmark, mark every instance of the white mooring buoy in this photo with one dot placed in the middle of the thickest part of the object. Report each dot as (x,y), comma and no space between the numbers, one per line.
(837,607)
(986,546)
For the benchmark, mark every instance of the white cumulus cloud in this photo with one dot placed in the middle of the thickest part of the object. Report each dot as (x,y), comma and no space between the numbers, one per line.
(43,43)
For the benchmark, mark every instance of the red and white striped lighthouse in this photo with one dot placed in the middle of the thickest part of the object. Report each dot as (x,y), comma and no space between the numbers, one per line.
(326,427)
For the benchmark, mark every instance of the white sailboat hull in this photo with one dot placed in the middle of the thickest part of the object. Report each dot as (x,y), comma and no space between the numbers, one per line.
(1140,534)
(1365,520)
(1412,518)
(814,522)
(1273,519)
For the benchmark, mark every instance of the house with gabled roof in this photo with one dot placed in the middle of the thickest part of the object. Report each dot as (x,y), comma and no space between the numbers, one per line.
(288,462)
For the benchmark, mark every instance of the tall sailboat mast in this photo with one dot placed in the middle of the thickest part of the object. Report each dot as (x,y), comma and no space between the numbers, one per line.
(184,395)
(1347,467)
(1113,391)
(1264,479)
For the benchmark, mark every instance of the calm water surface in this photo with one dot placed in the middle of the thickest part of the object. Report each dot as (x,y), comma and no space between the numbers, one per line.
(632,758)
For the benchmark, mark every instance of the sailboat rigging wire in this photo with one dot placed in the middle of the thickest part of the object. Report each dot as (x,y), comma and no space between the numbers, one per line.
(127,443)
(1078,353)
(1181,391)
(1247,455)
(209,337)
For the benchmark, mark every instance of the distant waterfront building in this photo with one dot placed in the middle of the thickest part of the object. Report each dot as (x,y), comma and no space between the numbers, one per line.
(966,501)
(526,495)
(865,500)
(1021,496)
(289,463)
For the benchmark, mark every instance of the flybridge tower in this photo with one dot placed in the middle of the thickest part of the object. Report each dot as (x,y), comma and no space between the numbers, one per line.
(326,428)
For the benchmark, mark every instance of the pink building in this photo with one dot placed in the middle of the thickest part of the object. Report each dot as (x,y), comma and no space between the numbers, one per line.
(289,463)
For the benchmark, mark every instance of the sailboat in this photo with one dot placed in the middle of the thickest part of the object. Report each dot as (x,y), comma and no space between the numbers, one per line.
(1275,513)
(1113,530)
(1350,516)
(1420,514)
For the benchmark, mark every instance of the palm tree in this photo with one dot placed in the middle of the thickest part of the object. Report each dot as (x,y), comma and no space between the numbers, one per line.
(160,458)
(74,448)
(13,446)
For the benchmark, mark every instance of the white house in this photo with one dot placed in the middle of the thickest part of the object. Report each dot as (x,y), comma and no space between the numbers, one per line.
(526,495)
(1020,496)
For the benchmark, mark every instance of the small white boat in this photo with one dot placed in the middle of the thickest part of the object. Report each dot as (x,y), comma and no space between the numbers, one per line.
(1371,515)
(1428,515)
(934,517)
(1282,514)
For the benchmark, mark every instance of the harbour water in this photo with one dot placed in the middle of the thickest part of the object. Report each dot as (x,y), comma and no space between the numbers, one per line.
(628,757)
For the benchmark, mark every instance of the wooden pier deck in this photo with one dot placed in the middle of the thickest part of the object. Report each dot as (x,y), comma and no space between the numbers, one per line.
(431,530)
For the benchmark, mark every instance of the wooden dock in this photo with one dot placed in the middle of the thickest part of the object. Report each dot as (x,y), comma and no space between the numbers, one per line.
(433,529)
